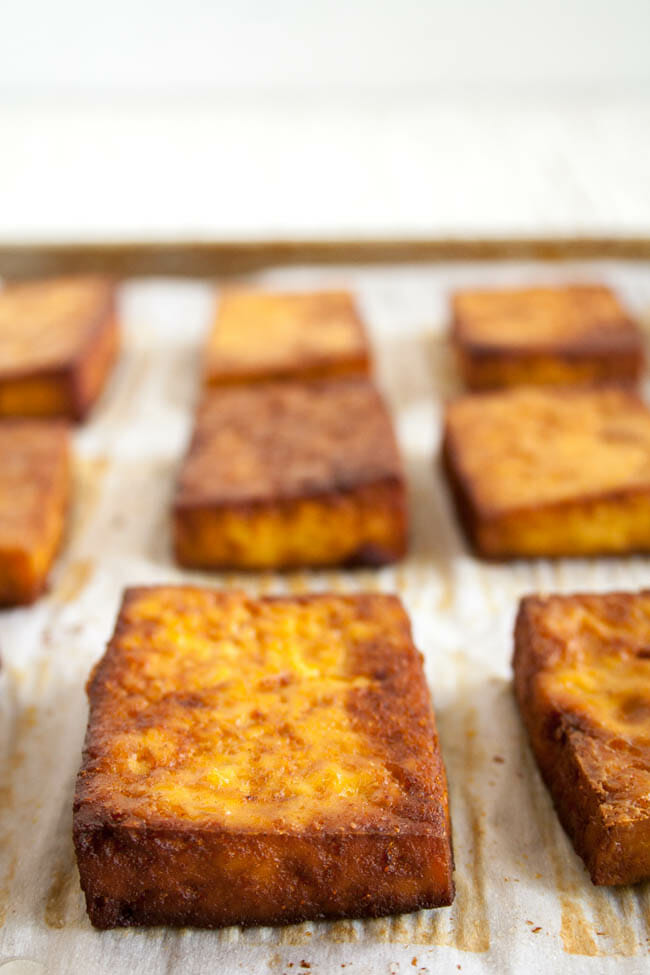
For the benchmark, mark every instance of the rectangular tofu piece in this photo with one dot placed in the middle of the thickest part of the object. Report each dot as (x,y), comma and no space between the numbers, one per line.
(582,679)
(58,341)
(290,474)
(261,336)
(260,762)
(34,495)
(547,471)
(538,336)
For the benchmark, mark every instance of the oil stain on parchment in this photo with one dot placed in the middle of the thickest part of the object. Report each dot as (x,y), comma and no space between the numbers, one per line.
(593,922)
(9,814)
(90,473)
(75,578)
(63,884)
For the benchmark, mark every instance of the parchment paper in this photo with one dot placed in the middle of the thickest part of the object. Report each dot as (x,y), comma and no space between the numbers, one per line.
(524,903)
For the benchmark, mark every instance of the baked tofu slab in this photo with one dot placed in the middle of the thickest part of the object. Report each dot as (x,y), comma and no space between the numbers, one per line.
(562,335)
(35,479)
(260,762)
(290,474)
(58,341)
(261,336)
(546,472)
(582,679)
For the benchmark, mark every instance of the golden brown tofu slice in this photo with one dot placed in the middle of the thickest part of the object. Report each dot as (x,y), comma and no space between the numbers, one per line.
(582,678)
(291,474)
(260,762)
(34,494)
(58,341)
(266,336)
(539,336)
(541,471)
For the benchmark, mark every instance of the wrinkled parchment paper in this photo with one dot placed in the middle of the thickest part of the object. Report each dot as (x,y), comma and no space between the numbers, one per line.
(524,903)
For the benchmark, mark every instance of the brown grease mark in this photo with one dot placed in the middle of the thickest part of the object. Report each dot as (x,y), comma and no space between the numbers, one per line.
(642,894)
(367,579)
(611,910)
(74,580)
(487,589)
(446,574)
(294,934)
(376,929)
(90,473)
(264,583)
(401,579)
(9,841)
(343,932)
(575,930)
(132,377)
(464,756)
(334,582)
(297,583)
(471,926)
(402,929)
(60,889)
(5,888)
(607,918)
(432,928)
(42,672)
(469,912)
(232,580)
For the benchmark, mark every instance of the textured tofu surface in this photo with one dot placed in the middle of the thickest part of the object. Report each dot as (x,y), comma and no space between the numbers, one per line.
(570,334)
(288,474)
(58,340)
(261,336)
(582,677)
(260,761)
(551,471)
(34,494)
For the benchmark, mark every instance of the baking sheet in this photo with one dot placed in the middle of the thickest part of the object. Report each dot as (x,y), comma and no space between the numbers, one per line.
(524,902)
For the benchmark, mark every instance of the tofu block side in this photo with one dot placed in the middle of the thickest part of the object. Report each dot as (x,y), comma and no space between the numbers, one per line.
(67,379)
(361,526)
(558,336)
(290,474)
(594,771)
(35,488)
(484,369)
(189,878)
(265,336)
(323,847)
(583,491)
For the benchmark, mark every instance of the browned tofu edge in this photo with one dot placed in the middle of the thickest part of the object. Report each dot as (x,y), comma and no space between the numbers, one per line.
(614,854)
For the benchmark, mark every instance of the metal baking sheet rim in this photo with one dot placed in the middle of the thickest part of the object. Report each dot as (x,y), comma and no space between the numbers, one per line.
(198,258)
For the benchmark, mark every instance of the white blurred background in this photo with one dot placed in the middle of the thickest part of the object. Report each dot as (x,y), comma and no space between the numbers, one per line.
(254,119)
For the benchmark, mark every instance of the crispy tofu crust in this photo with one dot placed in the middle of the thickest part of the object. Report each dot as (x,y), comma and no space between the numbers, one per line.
(260,762)
(58,341)
(539,336)
(259,336)
(289,474)
(546,472)
(582,680)
(35,480)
